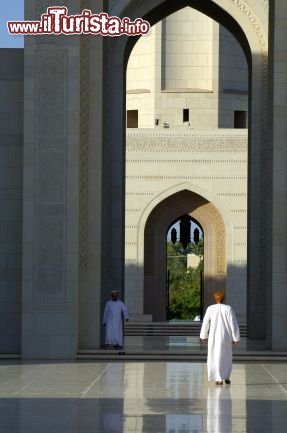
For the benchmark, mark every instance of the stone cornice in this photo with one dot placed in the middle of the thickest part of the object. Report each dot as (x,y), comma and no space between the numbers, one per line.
(189,133)
(196,141)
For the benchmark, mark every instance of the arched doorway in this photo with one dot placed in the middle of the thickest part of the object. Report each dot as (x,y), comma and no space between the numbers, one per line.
(183,202)
(108,137)
(251,33)
(184,258)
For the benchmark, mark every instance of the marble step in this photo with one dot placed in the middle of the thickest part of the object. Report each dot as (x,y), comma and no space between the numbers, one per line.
(168,328)
(187,356)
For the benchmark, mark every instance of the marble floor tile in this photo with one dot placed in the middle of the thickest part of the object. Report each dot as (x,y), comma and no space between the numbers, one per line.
(140,397)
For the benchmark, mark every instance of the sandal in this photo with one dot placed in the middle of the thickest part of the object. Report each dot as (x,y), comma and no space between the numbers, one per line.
(219,382)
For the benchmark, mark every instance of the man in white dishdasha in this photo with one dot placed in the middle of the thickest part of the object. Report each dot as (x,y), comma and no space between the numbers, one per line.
(220,329)
(114,314)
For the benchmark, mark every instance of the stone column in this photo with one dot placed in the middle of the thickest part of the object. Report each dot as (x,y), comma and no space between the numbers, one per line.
(113,169)
(279,227)
(50,209)
(90,223)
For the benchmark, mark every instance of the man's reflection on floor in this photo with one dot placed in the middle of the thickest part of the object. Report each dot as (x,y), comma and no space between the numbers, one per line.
(219,409)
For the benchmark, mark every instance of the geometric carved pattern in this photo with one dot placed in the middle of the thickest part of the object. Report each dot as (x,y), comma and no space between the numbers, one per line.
(245,8)
(219,242)
(51,182)
(152,178)
(264,4)
(264,162)
(215,263)
(84,146)
(51,187)
(51,307)
(188,161)
(191,142)
(41,8)
(220,231)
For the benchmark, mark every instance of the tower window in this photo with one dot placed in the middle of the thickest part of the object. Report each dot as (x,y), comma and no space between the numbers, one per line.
(240,119)
(185,115)
(132,119)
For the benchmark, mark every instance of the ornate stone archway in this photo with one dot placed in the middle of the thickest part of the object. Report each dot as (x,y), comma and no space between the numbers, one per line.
(249,25)
(95,126)
(215,268)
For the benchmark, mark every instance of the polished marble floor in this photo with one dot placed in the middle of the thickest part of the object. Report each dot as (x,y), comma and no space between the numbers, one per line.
(182,344)
(140,397)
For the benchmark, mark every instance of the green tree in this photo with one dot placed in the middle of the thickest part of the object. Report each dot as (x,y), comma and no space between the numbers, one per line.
(197,249)
(184,284)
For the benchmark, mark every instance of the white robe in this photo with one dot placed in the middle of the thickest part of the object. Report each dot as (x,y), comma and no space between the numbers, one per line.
(114,312)
(221,328)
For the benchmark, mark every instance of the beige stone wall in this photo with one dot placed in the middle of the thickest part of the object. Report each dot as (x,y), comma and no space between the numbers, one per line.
(189,62)
(212,164)
(50,322)
(192,261)
(141,78)
(187,51)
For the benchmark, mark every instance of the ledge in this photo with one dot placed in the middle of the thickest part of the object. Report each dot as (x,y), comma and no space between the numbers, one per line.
(137,91)
(187,90)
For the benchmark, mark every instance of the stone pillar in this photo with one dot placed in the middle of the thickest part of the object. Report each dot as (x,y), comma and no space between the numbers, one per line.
(50,209)
(113,168)
(279,226)
(90,217)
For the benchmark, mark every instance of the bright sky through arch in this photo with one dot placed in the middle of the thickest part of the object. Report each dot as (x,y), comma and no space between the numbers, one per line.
(12,10)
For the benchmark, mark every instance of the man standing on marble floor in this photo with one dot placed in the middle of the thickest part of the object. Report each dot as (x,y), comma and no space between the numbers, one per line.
(115,314)
(221,331)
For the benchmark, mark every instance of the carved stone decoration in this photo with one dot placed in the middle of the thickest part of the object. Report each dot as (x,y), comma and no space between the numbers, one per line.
(109,139)
(154,248)
(50,174)
(41,8)
(265,159)
(220,230)
(264,4)
(42,5)
(192,142)
(246,9)
(84,144)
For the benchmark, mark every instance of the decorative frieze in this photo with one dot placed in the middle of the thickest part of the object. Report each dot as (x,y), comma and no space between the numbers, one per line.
(219,241)
(51,308)
(255,22)
(238,210)
(51,178)
(140,193)
(187,161)
(151,178)
(232,194)
(176,142)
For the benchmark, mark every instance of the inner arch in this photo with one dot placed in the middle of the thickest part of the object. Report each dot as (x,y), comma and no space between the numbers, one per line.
(201,210)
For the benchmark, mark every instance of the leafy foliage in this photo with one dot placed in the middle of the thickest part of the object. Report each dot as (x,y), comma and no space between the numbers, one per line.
(184,284)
